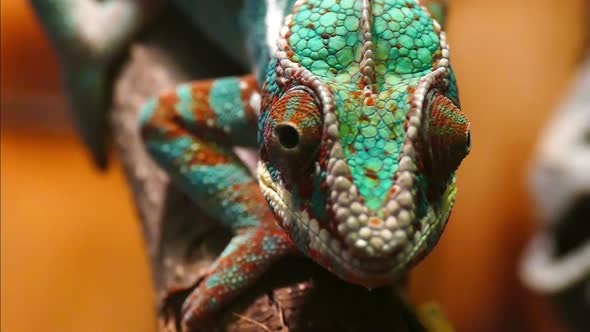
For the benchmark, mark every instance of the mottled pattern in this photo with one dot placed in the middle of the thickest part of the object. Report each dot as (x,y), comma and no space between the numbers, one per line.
(292,132)
(189,132)
(359,132)
(245,259)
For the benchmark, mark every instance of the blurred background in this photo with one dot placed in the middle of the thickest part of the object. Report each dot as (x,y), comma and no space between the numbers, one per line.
(72,257)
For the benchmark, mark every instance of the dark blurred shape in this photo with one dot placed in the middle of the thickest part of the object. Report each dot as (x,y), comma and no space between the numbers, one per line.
(571,234)
(90,106)
(87,58)
(557,261)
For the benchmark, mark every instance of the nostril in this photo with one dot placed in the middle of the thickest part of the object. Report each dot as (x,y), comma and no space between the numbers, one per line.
(288,136)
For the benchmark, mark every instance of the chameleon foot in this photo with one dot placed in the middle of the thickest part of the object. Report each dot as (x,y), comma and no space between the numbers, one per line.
(248,255)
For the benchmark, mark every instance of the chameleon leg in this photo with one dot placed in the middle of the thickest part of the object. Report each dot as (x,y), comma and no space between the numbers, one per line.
(189,132)
(244,260)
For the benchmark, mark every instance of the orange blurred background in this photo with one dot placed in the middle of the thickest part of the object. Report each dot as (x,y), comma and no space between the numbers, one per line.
(71,249)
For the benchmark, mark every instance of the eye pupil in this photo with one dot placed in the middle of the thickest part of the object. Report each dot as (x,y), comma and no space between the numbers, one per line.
(288,136)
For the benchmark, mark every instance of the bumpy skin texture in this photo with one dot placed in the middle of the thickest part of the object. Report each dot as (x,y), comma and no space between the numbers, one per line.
(189,132)
(359,133)
(378,184)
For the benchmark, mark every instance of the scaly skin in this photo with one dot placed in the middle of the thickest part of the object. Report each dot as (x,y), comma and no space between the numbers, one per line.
(359,135)
(369,189)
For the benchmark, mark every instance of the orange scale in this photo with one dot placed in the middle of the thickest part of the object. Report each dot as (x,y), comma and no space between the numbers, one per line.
(375,222)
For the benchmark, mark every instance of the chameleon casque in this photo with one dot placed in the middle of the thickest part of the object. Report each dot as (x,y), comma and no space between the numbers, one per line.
(355,113)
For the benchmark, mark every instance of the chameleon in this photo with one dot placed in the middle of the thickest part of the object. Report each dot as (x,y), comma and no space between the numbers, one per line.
(355,113)
(353,108)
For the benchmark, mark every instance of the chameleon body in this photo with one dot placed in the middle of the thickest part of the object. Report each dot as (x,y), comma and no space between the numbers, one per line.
(354,109)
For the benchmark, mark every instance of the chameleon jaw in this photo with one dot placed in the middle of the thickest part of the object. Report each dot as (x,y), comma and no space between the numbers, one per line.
(343,261)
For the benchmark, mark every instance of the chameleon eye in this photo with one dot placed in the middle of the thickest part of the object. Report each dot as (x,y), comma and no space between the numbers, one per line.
(292,133)
(448,131)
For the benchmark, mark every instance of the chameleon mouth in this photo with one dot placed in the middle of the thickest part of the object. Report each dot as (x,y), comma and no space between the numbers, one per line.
(337,258)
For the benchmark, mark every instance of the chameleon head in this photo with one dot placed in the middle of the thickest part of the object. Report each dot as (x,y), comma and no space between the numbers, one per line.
(361,135)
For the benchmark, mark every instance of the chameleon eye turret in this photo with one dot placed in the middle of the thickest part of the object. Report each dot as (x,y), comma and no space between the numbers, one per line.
(292,134)
(448,136)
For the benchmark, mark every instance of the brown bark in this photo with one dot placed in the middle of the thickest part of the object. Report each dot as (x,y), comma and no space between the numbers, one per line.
(295,295)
